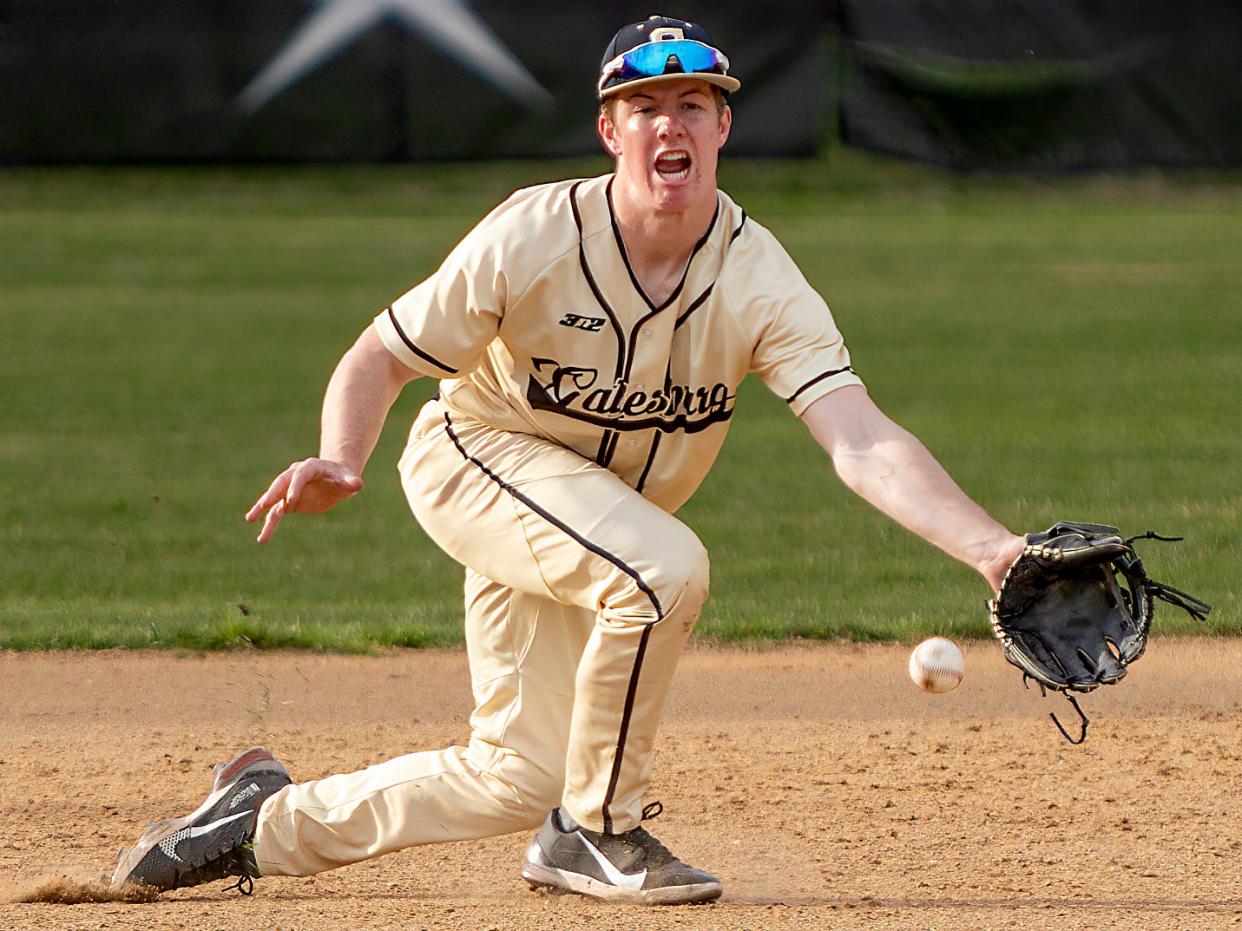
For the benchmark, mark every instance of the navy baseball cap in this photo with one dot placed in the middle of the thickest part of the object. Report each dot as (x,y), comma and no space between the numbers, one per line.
(663,49)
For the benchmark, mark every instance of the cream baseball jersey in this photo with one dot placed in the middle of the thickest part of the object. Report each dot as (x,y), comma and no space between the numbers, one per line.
(536,323)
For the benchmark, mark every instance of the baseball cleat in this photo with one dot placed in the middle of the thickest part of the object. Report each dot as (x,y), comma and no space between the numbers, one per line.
(632,867)
(214,841)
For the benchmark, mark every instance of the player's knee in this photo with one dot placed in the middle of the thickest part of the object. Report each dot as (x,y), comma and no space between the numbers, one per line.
(685,574)
(673,580)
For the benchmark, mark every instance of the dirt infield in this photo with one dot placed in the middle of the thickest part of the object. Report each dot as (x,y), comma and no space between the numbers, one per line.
(821,786)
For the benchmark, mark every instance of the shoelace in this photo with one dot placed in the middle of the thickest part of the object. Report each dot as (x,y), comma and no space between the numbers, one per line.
(654,853)
(240,862)
(637,839)
(244,885)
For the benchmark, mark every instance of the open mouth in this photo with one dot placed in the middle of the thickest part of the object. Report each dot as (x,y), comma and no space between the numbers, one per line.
(673,165)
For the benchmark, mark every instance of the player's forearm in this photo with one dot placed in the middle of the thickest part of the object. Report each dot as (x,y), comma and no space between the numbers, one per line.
(360,393)
(900,477)
(890,469)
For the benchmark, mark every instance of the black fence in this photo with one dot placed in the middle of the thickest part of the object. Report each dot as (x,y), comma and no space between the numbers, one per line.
(1013,85)
(1044,84)
(345,80)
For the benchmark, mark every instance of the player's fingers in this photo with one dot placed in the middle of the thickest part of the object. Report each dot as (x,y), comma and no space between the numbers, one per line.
(274,514)
(301,475)
(274,493)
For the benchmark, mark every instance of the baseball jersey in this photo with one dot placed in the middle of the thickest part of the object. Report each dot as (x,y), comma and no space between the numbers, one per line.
(536,323)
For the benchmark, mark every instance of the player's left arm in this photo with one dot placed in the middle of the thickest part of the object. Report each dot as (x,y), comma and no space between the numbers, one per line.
(888,467)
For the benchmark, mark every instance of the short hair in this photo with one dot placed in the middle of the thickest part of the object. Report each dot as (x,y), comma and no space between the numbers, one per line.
(607,106)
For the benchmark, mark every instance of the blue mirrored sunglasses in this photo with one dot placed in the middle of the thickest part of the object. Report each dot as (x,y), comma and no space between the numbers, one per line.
(652,59)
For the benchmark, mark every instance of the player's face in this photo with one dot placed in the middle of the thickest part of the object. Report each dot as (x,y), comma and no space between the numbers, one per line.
(666,138)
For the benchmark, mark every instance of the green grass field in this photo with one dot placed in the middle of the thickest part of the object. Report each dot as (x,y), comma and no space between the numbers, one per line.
(1068,349)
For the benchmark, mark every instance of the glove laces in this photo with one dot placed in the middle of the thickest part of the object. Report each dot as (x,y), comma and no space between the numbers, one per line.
(1082,715)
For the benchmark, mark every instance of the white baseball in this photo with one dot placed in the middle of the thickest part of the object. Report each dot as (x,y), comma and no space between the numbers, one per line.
(937,665)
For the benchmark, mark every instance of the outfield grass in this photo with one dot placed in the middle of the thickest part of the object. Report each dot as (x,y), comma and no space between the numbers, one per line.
(1068,349)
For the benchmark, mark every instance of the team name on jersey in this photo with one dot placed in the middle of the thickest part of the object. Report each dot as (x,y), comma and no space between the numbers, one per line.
(590,324)
(574,390)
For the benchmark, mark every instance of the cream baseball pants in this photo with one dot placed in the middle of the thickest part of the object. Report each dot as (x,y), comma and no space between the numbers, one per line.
(580,594)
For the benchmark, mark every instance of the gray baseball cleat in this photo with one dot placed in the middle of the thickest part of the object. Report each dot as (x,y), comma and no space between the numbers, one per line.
(214,841)
(631,867)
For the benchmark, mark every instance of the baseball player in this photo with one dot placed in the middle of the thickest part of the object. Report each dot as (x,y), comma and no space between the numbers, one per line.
(589,338)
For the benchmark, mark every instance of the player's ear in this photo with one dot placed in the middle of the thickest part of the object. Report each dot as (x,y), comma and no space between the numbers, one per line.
(607,130)
(726,124)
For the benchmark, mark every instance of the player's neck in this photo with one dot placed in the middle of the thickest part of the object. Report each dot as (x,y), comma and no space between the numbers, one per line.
(658,242)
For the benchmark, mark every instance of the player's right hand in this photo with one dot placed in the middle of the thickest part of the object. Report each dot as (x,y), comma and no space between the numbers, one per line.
(310,486)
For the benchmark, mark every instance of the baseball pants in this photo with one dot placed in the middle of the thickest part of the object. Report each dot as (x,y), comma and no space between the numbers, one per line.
(580,594)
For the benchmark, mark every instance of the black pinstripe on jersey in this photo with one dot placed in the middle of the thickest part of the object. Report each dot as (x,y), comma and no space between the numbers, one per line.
(626,348)
(604,455)
(413,348)
(816,380)
(625,256)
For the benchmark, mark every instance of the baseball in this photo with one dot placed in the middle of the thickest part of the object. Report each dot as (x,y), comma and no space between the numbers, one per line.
(937,665)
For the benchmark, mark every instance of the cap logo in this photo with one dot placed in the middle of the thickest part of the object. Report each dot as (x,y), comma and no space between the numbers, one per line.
(667,34)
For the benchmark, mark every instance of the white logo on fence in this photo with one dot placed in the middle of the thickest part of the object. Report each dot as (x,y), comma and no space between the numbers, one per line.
(447,24)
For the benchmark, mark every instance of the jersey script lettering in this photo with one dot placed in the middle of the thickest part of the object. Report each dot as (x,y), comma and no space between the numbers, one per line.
(572,390)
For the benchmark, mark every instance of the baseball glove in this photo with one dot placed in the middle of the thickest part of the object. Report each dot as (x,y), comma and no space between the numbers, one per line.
(1075,608)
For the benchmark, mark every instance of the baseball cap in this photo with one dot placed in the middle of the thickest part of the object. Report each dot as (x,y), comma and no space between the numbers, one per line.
(662,48)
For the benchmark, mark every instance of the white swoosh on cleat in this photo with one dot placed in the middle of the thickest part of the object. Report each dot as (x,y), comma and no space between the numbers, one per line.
(615,876)
(169,844)
(199,832)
